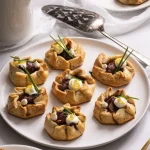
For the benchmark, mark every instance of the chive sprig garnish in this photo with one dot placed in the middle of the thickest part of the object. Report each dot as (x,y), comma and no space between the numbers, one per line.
(61,44)
(35,86)
(16,58)
(123,60)
(128,97)
(67,111)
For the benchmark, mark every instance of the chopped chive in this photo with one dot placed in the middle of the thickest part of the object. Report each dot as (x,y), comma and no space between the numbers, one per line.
(65,48)
(16,58)
(132,97)
(128,97)
(120,64)
(67,111)
(55,41)
(126,58)
(62,42)
(35,86)
(121,61)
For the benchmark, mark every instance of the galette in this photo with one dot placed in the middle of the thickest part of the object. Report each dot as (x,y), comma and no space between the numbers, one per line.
(132,2)
(73,86)
(114,107)
(36,67)
(65,123)
(65,54)
(113,71)
(26,102)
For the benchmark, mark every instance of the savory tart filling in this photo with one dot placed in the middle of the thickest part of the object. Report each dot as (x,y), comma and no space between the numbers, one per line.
(31,66)
(114,107)
(28,96)
(65,123)
(111,67)
(61,52)
(113,103)
(64,50)
(74,87)
(70,82)
(64,117)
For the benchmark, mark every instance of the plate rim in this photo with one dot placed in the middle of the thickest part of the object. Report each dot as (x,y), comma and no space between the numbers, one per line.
(82,147)
(129,9)
(19,146)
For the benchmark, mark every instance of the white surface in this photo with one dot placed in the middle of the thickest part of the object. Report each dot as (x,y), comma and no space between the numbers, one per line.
(92,135)
(114,5)
(18,147)
(136,138)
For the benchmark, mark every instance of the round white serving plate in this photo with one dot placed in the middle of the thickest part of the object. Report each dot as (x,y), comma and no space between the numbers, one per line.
(114,5)
(95,133)
(18,147)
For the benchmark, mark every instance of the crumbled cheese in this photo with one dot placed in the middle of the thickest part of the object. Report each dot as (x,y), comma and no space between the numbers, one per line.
(36,64)
(30,90)
(117,61)
(120,102)
(54,116)
(58,49)
(104,104)
(68,76)
(72,51)
(72,119)
(24,102)
(22,64)
(75,84)
(104,66)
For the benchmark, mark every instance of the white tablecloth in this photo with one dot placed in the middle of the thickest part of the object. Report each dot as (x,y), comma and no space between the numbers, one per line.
(135,139)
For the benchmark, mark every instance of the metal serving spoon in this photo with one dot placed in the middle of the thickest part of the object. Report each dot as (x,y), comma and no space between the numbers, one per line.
(87,21)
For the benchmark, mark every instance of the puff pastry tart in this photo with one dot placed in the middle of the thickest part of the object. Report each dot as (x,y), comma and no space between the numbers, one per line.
(36,67)
(114,107)
(104,70)
(25,102)
(65,123)
(58,58)
(132,2)
(74,87)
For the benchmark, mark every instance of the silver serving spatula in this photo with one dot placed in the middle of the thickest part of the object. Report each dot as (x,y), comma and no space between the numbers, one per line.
(86,21)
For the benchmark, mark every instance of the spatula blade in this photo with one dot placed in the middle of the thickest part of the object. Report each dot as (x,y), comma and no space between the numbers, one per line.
(78,18)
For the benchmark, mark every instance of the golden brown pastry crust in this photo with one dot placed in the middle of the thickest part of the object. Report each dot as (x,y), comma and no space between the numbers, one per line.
(30,110)
(132,2)
(65,132)
(120,78)
(74,97)
(123,115)
(59,63)
(20,79)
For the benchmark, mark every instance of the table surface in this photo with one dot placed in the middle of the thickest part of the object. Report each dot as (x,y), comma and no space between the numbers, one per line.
(135,139)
